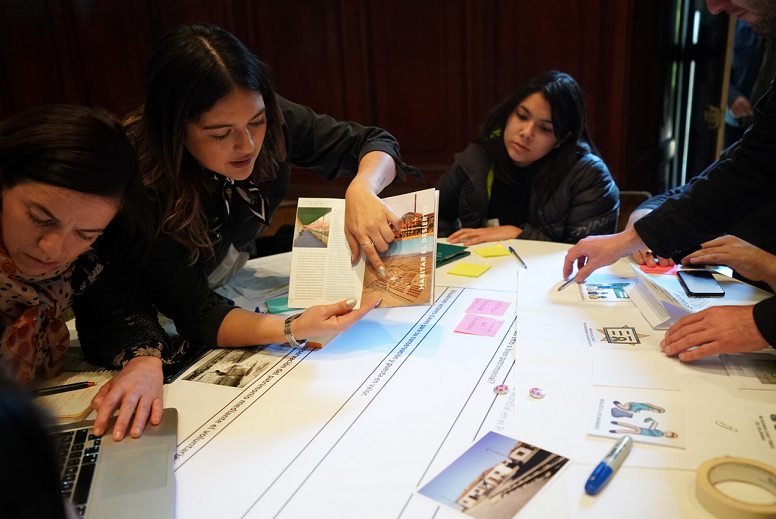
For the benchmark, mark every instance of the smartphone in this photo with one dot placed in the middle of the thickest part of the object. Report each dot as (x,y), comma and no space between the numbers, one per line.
(700,283)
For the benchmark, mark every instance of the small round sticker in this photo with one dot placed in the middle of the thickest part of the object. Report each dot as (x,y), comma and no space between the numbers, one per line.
(536,392)
(501,389)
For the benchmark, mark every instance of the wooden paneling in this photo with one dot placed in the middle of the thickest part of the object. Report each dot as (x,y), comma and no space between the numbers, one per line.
(428,71)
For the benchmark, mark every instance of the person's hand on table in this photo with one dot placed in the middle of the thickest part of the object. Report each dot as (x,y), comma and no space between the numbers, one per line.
(138,390)
(720,329)
(331,319)
(474,236)
(646,257)
(369,222)
(741,107)
(595,252)
(743,257)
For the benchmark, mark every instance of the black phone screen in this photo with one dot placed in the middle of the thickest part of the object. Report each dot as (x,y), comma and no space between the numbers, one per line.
(700,283)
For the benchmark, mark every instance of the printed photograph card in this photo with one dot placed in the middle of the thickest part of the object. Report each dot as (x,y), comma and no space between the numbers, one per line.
(659,421)
(752,370)
(495,478)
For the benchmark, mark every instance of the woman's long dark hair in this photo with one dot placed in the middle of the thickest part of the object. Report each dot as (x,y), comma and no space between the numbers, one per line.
(193,67)
(84,149)
(567,106)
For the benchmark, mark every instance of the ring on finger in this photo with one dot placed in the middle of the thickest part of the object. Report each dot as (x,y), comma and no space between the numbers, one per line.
(368,242)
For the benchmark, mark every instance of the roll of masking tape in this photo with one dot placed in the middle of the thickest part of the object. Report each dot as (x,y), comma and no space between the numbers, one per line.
(717,470)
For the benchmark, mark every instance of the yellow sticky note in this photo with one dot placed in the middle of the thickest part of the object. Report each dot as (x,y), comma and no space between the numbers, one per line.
(469,270)
(492,252)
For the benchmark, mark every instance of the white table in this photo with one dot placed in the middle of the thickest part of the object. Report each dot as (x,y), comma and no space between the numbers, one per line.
(353,429)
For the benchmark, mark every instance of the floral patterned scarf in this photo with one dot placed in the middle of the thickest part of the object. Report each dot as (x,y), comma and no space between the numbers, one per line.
(33,328)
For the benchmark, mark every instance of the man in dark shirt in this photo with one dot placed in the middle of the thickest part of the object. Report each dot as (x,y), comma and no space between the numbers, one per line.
(732,190)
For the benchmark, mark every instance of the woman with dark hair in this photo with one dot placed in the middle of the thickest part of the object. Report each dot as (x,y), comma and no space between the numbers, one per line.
(532,173)
(215,145)
(74,225)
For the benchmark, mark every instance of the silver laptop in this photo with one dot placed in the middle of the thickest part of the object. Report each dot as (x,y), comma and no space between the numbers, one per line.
(127,479)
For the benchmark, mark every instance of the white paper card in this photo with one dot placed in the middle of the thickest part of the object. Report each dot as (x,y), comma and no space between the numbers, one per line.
(639,368)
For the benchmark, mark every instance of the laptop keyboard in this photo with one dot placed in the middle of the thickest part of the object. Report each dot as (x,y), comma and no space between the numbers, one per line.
(77,453)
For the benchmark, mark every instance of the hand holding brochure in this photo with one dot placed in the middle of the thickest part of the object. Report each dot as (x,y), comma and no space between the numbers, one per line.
(321,270)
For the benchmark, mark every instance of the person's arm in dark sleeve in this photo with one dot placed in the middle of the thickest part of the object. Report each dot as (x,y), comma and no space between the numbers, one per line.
(331,147)
(732,190)
(656,201)
(116,324)
(765,319)
(180,291)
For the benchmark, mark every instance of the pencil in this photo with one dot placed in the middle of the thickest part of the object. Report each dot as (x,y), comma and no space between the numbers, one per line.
(62,389)
(566,283)
(518,257)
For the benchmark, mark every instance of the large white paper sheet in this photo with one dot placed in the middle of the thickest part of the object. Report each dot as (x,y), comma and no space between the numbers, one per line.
(404,392)
(623,497)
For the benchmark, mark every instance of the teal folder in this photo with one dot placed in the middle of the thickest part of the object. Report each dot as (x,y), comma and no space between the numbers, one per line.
(446,253)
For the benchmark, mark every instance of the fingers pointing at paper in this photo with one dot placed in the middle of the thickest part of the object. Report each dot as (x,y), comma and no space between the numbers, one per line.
(331,319)
(595,252)
(720,329)
(368,220)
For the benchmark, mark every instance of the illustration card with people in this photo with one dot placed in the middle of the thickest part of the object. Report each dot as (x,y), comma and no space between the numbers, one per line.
(646,419)
(321,267)
(604,289)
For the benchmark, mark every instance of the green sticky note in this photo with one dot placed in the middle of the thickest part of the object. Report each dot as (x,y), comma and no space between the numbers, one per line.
(492,252)
(278,305)
(471,270)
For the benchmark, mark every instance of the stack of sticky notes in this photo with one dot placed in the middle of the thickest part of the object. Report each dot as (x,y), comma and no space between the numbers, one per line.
(469,269)
(492,252)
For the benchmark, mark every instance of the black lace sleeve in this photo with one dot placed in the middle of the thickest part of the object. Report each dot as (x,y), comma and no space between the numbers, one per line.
(115,322)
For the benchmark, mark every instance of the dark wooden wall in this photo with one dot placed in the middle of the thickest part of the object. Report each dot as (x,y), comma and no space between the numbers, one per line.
(426,70)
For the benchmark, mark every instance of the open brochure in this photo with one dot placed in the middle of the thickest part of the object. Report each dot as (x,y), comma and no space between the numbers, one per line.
(321,270)
(660,305)
(662,301)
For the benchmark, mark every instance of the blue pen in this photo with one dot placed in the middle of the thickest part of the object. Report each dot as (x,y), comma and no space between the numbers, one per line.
(608,466)
(518,257)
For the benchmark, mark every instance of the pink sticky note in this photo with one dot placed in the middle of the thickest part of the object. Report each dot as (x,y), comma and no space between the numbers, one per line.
(479,325)
(657,269)
(487,307)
